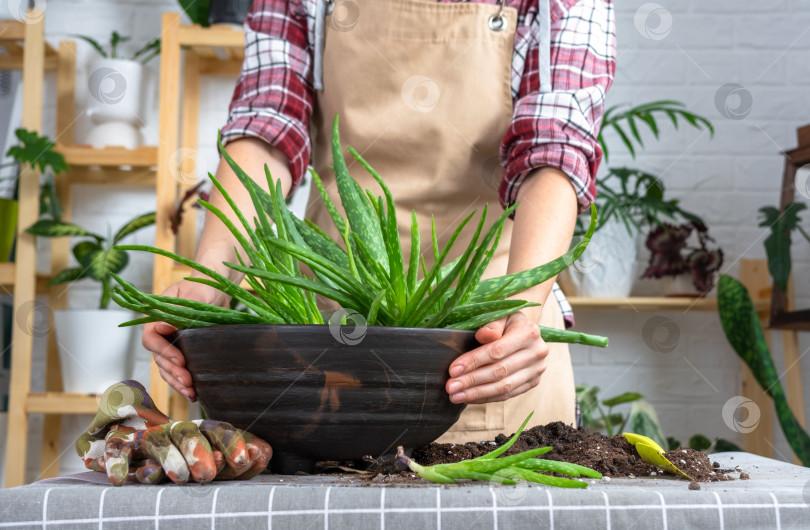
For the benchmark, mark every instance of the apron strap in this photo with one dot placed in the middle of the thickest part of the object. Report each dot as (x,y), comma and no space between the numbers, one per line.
(321,7)
(544,44)
(543,41)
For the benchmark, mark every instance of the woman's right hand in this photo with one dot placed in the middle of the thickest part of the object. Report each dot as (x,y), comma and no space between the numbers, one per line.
(170,361)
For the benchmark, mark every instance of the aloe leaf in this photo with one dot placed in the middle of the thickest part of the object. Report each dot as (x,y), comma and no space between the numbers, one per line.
(358,210)
(221,283)
(393,247)
(413,261)
(572,337)
(521,281)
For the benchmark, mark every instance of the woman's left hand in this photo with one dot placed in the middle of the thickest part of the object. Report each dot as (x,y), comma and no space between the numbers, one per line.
(510,361)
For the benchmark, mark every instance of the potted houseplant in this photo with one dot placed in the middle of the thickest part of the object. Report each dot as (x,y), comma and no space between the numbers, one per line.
(688,270)
(38,152)
(114,83)
(93,349)
(208,12)
(628,199)
(371,365)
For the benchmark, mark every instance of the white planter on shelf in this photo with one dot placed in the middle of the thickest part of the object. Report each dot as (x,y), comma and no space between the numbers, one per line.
(93,350)
(680,285)
(607,268)
(114,102)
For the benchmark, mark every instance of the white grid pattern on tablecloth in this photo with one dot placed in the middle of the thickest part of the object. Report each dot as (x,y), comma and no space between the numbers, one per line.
(439,509)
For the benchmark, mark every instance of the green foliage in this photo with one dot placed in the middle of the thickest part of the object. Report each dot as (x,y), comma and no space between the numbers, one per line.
(743,330)
(143,55)
(505,470)
(626,121)
(37,151)
(777,244)
(98,259)
(197,10)
(633,196)
(698,442)
(366,275)
(599,415)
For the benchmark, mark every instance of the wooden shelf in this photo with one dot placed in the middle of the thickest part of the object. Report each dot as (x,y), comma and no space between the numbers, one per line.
(12,37)
(85,155)
(681,303)
(7,271)
(61,403)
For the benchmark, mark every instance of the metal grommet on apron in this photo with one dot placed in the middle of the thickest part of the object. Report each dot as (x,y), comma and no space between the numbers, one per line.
(423,92)
(498,22)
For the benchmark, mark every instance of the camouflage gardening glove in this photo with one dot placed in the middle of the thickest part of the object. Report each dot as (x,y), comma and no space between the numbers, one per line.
(131,438)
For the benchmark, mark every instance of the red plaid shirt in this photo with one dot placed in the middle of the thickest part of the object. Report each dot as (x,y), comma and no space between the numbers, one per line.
(274,96)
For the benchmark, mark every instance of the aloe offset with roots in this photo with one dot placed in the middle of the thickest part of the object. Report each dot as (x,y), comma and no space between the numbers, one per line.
(366,275)
(506,470)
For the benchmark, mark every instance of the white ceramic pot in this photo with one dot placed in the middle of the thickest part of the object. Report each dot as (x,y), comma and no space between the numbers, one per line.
(114,90)
(114,102)
(680,285)
(93,350)
(607,268)
(118,133)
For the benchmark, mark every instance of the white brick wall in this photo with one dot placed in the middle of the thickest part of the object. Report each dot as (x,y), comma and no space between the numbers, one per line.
(763,46)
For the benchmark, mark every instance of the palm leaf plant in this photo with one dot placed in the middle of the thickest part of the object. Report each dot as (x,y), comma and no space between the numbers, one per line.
(633,196)
(96,255)
(143,55)
(365,273)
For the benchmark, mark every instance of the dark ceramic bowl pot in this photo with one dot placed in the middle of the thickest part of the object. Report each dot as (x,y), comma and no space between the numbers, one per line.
(319,392)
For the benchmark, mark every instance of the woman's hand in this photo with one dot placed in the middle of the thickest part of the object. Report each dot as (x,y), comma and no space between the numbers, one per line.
(170,361)
(510,362)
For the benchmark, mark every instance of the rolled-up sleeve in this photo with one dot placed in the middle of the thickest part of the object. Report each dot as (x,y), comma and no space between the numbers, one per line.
(559,127)
(273,96)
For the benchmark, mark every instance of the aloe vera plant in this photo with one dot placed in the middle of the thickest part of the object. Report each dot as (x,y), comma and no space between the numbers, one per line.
(506,470)
(367,275)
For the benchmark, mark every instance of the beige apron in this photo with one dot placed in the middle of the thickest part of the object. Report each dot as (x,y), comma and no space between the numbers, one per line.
(423,93)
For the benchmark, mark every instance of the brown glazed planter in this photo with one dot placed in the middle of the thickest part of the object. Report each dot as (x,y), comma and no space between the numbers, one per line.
(319,392)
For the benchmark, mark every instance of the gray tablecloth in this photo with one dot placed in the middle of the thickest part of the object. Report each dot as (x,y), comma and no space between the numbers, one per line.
(776,496)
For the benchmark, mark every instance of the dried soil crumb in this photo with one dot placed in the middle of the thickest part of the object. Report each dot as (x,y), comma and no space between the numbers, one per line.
(611,456)
(694,486)
(744,476)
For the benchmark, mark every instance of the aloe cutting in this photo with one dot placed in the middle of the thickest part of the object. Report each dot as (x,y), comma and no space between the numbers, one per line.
(506,470)
(364,271)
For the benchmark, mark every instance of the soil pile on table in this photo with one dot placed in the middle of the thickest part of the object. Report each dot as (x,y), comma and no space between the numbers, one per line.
(611,456)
